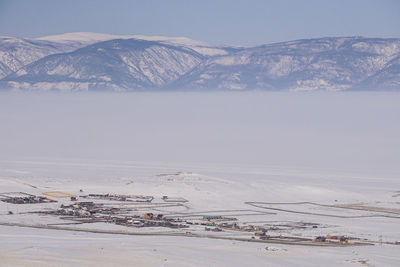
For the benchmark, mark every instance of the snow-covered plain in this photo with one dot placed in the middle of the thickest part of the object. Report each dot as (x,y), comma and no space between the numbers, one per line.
(218,151)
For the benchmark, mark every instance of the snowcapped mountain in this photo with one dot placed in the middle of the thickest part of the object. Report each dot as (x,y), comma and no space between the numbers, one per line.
(316,64)
(18,52)
(119,64)
(90,38)
(89,61)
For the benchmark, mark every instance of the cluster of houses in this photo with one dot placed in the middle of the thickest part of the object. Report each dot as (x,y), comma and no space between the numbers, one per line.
(23,198)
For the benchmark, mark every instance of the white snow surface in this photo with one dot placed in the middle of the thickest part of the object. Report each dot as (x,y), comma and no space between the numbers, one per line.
(208,187)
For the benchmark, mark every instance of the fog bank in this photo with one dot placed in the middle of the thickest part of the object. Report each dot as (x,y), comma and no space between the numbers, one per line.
(349,131)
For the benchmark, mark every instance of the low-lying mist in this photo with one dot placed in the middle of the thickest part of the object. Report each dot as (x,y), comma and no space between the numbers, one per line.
(349,131)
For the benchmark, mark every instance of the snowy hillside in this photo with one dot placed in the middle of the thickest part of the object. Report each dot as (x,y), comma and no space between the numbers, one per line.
(91,61)
(386,78)
(17,52)
(116,64)
(316,64)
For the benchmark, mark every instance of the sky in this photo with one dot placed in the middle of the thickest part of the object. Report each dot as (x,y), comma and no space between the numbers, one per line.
(233,22)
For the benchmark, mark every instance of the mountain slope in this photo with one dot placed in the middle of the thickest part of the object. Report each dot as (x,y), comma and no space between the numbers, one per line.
(17,52)
(121,64)
(386,79)
(89,61)
(316,64)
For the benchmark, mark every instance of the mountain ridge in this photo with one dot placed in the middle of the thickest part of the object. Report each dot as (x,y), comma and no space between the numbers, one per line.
(178,63)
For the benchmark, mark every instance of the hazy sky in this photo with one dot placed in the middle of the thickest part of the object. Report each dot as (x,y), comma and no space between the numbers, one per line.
(248,22)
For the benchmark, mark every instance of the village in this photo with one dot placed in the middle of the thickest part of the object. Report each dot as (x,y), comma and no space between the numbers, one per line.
(165,215)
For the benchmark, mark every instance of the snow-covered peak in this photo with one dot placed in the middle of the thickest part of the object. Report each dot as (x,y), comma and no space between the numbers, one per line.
(82,37)
(176,40)
(200,47)
(7,39)
(90,38)
(98,37)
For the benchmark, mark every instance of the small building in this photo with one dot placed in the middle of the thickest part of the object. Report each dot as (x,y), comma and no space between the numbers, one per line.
(148,216)
(208,217)
(259,233)
(320,239)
